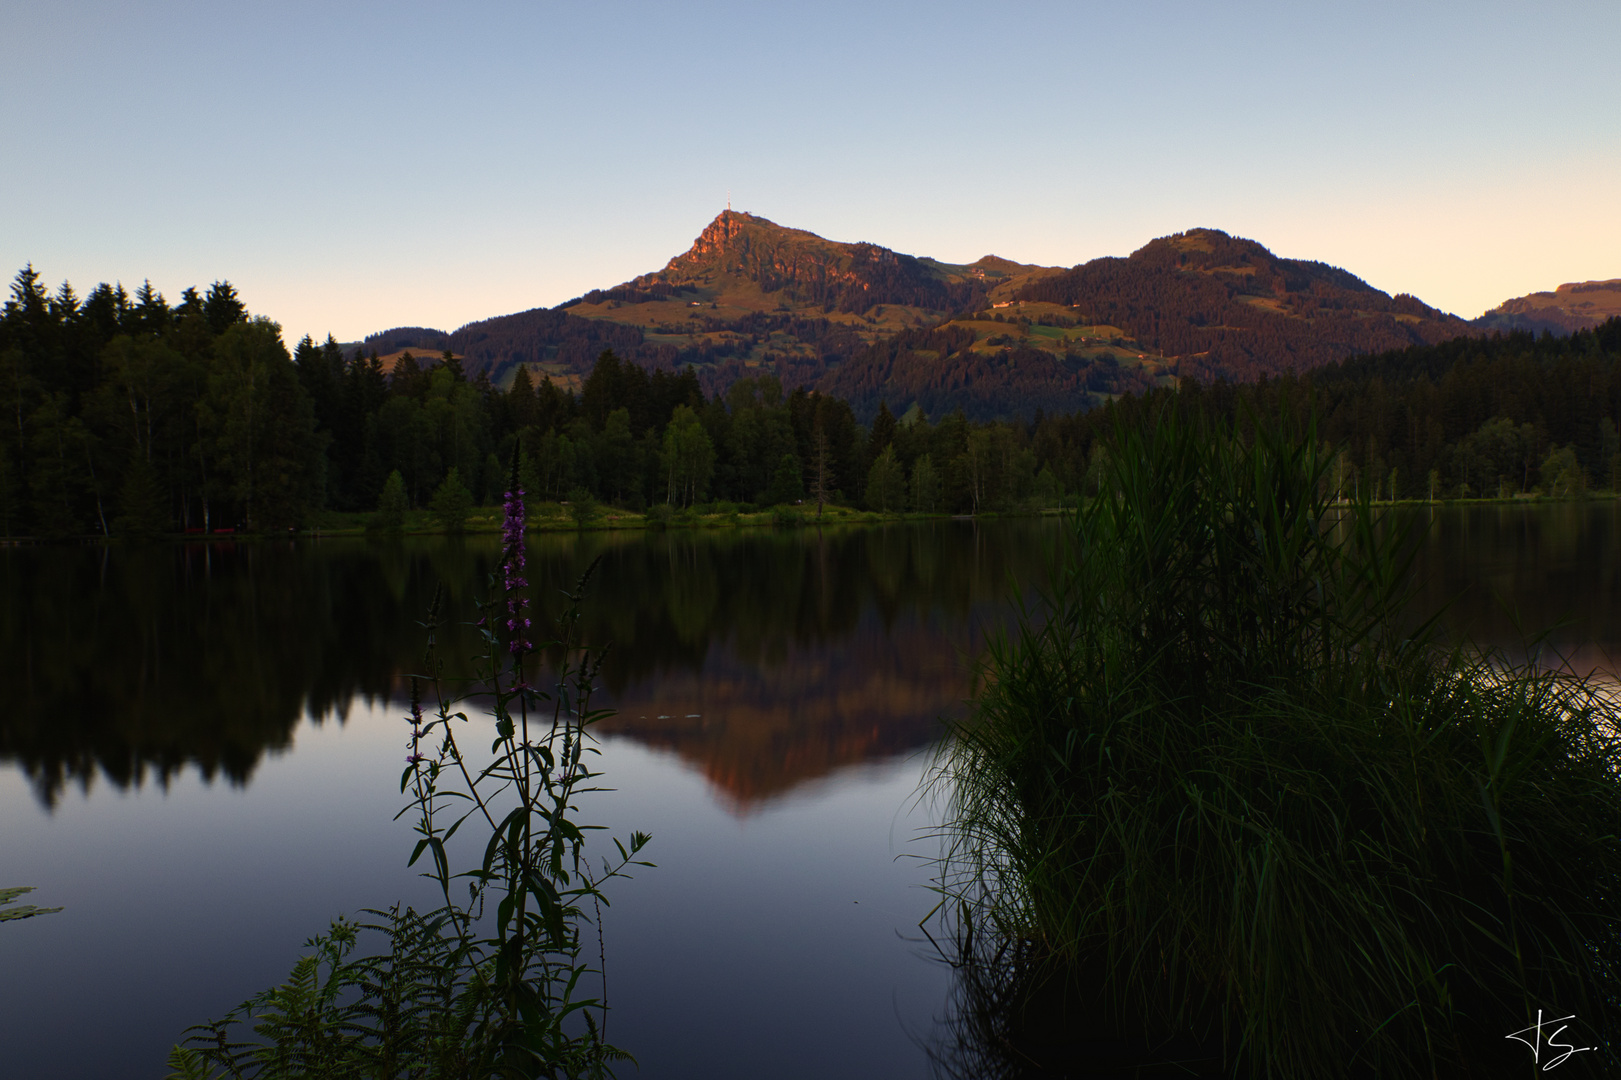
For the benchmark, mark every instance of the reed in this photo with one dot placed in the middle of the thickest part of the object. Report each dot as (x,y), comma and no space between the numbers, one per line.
(1220,775)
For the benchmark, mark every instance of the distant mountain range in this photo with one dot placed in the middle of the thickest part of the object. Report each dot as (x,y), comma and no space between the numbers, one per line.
(1569,308)
(993,337)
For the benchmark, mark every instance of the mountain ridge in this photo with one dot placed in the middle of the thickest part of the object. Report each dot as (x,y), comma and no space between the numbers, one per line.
(993,337)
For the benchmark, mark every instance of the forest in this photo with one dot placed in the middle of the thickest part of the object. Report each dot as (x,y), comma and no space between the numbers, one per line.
(126,415)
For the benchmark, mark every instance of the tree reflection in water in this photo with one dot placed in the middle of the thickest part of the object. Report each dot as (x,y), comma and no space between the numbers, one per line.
(763,657)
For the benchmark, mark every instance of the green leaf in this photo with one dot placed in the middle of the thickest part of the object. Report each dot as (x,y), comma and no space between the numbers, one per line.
(25,911)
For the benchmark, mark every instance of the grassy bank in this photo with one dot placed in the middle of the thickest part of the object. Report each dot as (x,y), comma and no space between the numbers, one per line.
(561,517)
(1216,789)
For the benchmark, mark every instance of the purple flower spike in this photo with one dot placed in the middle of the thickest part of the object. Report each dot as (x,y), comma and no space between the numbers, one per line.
(512,525)
(416,722)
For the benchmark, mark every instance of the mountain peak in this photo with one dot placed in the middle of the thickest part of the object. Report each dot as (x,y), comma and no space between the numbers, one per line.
(728,225)
(738,250)
(730,233)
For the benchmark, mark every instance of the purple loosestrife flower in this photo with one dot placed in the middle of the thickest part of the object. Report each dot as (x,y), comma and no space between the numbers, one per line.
(515,583)
(416,723)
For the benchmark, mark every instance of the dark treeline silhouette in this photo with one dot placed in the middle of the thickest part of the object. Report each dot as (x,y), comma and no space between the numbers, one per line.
(124,413)
(132,663)
(1510,414)
(127,415)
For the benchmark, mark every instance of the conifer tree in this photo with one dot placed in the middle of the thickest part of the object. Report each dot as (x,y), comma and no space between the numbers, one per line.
(222,308)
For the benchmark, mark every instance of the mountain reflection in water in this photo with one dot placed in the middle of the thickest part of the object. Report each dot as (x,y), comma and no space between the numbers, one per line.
(764,658)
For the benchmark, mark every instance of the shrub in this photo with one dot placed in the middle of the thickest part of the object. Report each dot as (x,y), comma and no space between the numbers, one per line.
(1220,771)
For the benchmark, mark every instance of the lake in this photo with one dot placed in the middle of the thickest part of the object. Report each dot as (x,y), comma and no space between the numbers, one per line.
(201,764)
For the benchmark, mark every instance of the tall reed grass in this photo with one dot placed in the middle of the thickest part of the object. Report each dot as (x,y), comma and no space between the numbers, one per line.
(1220,772)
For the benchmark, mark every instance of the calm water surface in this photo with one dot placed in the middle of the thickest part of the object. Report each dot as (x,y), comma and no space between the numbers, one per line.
(201,761)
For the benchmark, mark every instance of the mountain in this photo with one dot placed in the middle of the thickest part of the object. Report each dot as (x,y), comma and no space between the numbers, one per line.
(742,263)
(747,294)
(993,337)
(1218,306)
(1571,307)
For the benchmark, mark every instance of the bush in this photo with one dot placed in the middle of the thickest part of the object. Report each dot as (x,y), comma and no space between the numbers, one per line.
(1217,772)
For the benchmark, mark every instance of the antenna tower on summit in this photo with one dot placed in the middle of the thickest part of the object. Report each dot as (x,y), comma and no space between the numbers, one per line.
(728,201)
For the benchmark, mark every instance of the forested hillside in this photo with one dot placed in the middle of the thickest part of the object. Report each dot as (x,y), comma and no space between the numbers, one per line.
(126,415)
(1501,416)
(1577,305)
(1227,308)
(752,297)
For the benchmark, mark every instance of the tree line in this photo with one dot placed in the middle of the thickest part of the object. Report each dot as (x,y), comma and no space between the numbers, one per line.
(125,414)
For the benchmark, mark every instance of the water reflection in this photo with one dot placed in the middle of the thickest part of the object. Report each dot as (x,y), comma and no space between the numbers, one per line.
(1507,574)
(764,658)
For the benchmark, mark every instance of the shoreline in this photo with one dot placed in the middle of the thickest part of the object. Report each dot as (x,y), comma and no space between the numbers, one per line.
(550,518)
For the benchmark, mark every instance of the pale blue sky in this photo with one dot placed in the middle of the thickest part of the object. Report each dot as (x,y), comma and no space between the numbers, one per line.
(354,166)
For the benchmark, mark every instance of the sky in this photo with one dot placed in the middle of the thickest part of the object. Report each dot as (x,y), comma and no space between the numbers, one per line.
(352,167)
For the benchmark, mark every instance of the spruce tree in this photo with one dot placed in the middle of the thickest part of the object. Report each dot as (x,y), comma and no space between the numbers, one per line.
(222,307)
